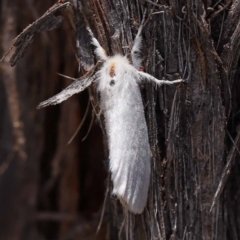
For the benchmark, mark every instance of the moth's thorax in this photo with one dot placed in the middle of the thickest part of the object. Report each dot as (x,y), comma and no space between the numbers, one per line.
(114,72)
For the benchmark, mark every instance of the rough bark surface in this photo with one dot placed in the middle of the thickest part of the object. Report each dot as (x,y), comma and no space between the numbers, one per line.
(51,190)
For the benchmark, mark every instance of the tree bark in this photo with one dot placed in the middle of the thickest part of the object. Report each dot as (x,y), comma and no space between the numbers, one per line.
(52,190)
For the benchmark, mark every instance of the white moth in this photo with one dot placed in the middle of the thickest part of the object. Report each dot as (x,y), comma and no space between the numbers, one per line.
(130,156)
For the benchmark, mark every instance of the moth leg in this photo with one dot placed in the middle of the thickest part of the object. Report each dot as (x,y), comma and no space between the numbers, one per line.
(149,77)
(90,126)
(99,50)
(77,86)
(137,45)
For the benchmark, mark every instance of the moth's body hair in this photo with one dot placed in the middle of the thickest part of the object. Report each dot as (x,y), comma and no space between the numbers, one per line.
(121,102)
(127,132)
(137,46)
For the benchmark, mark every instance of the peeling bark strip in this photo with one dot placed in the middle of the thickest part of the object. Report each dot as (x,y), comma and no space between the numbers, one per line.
(76,87)
(227,170)
(191,155)
(47,22)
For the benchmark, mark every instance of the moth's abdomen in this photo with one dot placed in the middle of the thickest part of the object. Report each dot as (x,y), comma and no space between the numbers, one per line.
(128,145)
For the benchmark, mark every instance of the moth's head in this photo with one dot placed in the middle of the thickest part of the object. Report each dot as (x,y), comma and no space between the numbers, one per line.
(114,71)
(116,65)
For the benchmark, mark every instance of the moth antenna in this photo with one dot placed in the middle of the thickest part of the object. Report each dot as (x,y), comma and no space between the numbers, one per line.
(137,45)
(81,124)
(99,50)
(149,77)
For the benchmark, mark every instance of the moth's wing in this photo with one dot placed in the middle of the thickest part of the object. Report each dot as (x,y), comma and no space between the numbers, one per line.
(129,147)
(132,174)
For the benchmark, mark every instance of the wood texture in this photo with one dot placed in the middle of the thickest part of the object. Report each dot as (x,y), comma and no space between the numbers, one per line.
(52,191)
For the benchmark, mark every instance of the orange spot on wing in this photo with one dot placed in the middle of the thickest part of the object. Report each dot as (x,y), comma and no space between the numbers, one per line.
(112,70)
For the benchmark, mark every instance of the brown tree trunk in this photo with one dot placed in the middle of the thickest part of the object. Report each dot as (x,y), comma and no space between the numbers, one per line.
(51,190)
